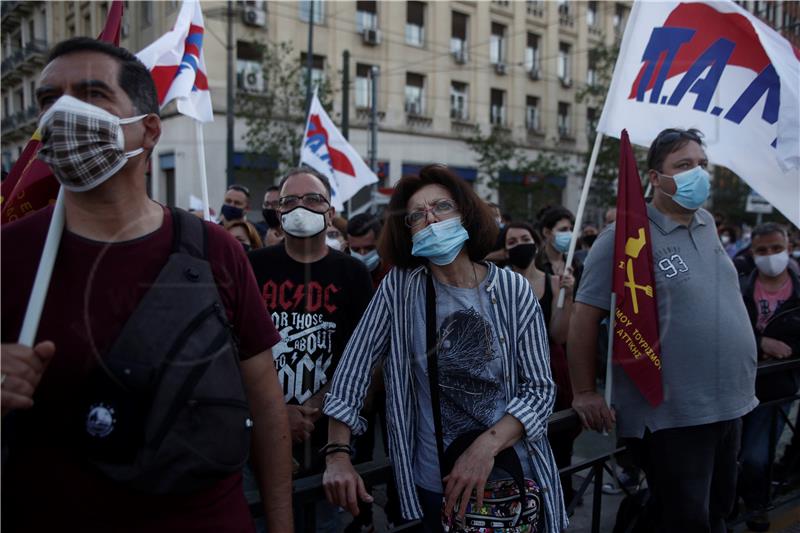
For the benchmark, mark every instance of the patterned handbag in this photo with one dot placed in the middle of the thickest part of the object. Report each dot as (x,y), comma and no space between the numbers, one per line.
(510,505)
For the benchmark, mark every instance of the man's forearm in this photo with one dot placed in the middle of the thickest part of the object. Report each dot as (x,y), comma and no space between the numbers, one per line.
(271,444)
(582,347)
(318,398)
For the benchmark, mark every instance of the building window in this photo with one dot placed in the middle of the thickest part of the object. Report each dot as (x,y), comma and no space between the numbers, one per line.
(497,44)
(363,85)
(591,70)
(532,113)
(19,100)
(87,23)
(497,110)
(249,73)
(6,110)
(591,119)
(31,30)
(415,94)
(564,63)
(565,17)
(591,14)
(317,69)
(770,13)
(415,23)
(305,11)
(532,53)
(71,29)
(32,95)
(458,36)
(147,13)
(619,17)
(459,100)
(366,16)
(564,129)
(534,8)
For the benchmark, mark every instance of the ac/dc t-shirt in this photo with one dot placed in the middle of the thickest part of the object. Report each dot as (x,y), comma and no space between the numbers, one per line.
(95,287)
(315,306)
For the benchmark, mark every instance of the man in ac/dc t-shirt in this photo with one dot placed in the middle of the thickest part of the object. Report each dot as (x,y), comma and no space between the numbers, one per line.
(315,296)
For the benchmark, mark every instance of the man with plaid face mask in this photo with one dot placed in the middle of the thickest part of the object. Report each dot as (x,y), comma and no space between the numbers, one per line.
(99,122)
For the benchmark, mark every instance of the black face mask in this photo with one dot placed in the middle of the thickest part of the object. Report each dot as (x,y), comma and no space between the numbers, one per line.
(231,212)
(522,255)
(246,247)
(271,218)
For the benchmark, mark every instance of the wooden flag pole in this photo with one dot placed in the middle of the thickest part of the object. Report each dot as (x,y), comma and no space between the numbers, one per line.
(201,148)
(41,283)
(576,230)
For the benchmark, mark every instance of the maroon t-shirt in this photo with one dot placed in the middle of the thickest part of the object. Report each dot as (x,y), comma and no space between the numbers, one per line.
(94,289)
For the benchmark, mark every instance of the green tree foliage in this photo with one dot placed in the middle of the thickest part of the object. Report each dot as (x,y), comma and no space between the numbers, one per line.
(275,118)
(525,184)
(602,193)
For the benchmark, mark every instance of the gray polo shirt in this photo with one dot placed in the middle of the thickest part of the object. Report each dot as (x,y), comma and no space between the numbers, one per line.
(708,350)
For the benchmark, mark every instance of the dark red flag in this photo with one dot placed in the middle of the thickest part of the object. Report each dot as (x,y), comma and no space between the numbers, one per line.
(30,185)
(636,342)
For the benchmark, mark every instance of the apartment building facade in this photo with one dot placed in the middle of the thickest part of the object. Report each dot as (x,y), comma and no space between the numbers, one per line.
(444,68)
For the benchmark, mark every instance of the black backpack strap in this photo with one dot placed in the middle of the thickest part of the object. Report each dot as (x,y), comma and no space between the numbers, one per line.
(189,234)
(433,367)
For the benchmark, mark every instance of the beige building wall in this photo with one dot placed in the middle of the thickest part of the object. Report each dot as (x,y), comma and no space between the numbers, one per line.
(429,136)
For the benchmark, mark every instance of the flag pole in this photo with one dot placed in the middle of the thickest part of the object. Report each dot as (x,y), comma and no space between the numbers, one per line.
(33,314)
(579,215)
(610,348)
(201,148)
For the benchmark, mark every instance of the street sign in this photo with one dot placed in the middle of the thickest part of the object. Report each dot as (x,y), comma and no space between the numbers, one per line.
(757,204)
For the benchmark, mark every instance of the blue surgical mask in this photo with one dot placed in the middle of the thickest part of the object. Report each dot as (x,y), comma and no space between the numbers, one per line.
(693,186)
(440,242)
(561,241)
(371,259)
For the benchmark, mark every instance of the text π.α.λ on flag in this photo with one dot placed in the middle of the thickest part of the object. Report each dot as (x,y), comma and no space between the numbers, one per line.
(715,67)
(637,346)
(327,151)
(177,64)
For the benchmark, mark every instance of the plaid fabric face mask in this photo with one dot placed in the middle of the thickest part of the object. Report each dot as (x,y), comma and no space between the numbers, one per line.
(83,144)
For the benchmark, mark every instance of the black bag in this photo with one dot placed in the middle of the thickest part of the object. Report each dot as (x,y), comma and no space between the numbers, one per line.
(511,505)
(165,411)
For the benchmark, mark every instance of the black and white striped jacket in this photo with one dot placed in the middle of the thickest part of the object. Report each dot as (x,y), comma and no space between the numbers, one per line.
(384,335)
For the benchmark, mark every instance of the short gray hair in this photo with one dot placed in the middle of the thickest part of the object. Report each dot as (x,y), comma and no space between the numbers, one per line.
(311,172)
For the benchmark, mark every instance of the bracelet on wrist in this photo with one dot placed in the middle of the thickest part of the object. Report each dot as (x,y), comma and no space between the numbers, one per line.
(336,447)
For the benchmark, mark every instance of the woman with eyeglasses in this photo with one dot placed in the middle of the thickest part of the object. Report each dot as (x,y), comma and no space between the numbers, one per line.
(464,352)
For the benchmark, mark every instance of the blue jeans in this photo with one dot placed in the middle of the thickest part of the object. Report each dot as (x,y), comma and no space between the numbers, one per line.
(761,431)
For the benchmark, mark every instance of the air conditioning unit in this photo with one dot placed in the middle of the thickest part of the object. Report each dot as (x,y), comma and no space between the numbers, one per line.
(253,16)
(500,68)
(535,74)
(253,81)
(413,108)
(566,82)
(460,56)
(371,36)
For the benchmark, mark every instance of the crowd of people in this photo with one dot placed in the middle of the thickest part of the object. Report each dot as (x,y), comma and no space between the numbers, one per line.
(174,353)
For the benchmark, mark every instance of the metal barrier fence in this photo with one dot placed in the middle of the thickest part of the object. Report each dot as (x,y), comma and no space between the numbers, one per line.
(309,489)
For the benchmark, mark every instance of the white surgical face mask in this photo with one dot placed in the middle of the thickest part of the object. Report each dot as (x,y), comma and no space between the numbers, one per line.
(83,144)
(301,222)
(772,265)
(333,243)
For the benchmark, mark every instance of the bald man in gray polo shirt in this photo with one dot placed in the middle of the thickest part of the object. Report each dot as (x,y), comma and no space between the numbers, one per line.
(688,445)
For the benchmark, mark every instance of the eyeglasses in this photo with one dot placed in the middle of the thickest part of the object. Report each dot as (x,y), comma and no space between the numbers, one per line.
(311,200)
(333,234)
(240,188)
(670,136)
(440,208)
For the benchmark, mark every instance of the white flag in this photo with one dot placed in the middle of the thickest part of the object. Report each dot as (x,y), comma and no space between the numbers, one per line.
(715,67)
(327,151)
(178,66)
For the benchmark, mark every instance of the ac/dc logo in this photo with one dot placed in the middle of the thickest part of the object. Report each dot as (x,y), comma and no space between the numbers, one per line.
(309,297)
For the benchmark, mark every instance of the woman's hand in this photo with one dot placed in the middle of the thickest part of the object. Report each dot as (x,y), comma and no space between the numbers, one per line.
(469,474)
(343,486)
(566,281)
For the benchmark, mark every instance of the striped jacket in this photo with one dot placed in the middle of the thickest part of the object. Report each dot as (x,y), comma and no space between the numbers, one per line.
(384,334)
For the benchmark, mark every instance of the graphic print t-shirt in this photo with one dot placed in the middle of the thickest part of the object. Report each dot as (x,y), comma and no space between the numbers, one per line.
(315,307)
(767,302)
(470,375)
